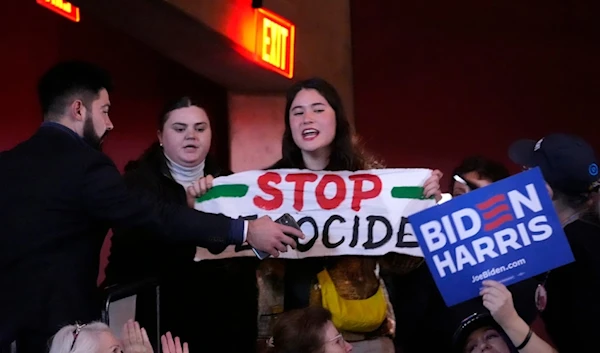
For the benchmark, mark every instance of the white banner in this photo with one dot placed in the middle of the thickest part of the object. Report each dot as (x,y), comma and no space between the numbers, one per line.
(341,213)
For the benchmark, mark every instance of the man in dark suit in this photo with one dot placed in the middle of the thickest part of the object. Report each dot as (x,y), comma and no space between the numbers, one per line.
(59,195)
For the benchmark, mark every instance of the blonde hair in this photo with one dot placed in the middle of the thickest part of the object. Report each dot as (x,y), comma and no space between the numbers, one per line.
(87,338)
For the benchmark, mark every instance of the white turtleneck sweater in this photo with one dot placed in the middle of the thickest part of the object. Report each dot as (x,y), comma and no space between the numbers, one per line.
(185,176)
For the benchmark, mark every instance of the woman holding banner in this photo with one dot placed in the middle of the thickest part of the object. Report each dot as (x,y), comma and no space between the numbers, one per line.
(318,136)
(205,303)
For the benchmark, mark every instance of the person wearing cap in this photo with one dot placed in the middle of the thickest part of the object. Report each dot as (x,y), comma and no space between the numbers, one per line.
(480,332)
(428,315)
(498,329)
(570,169)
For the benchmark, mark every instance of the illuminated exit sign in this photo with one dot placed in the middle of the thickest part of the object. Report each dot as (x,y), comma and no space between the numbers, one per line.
(275,42)
(63,8)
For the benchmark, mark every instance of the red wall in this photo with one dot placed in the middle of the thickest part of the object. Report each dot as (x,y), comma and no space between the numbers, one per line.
(33,39)
(437,81)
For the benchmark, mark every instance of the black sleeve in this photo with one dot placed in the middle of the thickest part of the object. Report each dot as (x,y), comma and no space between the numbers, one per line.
(571,316)
(106,198)
(133,256)
(136,253)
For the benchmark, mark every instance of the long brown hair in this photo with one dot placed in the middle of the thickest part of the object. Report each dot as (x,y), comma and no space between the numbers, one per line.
(346,153)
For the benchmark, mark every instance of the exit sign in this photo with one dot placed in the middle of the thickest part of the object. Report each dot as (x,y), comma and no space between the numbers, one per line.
(63,8)
(275,42)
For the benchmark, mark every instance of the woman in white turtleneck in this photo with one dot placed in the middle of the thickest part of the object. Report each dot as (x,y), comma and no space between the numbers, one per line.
(203,303)
(185,137)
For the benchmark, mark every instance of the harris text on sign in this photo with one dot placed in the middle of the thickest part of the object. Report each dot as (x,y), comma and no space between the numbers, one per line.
(469,222)
(507,231)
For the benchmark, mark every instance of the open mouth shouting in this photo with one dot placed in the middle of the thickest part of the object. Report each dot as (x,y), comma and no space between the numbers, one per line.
(309,134)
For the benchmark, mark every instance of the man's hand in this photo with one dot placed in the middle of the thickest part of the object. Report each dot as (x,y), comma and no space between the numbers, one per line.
(266,235)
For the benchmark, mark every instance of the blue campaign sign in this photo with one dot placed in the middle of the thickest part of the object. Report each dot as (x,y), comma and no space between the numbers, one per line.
(507,231)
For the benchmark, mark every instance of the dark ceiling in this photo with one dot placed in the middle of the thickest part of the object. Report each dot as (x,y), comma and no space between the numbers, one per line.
(182,38)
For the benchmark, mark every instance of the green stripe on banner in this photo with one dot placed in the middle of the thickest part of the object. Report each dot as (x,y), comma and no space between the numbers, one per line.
(407,192)
(231,190)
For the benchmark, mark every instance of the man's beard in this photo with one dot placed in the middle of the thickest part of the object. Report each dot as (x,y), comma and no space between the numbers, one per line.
(89,133)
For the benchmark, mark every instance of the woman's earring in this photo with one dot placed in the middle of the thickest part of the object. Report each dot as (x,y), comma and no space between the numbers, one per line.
(161,145)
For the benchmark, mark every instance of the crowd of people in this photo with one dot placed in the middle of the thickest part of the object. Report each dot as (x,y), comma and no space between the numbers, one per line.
(61,195)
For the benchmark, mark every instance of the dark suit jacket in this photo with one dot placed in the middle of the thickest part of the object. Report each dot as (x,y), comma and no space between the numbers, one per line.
(204,303)
(135,254)
(58,199)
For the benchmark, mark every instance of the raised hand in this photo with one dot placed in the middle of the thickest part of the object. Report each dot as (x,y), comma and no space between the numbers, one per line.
(135,339)
(498,300)
(170,345)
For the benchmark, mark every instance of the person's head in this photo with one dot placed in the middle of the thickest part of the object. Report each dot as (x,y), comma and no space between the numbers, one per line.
(478,171)
(316,125)
(568,164)
(308,330)
(76,94)
(184,132)
(479,333)
(95,337)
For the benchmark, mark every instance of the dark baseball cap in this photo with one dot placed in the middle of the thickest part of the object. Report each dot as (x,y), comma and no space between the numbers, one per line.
(567,162)
(470,325)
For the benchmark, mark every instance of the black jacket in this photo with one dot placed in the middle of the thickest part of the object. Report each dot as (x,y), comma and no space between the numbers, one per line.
(205,303)
(137,254)
(571,316)
(58,199)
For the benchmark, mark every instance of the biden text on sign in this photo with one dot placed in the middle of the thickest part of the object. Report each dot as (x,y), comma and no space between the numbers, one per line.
(507,232)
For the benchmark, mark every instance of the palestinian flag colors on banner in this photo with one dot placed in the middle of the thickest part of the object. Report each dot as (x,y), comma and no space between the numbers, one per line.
(341,213)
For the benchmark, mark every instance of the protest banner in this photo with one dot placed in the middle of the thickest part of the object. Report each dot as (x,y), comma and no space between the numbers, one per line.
(507,231)
(341,213)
